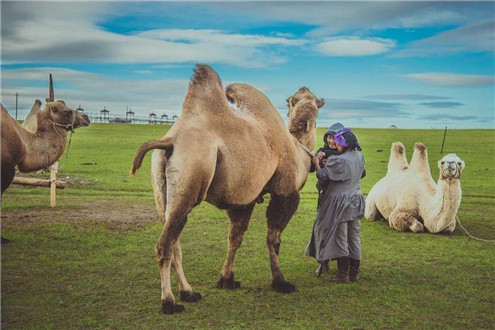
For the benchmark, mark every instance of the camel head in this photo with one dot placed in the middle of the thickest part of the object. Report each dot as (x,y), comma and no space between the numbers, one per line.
(59,114)
(303,110)
(451,166)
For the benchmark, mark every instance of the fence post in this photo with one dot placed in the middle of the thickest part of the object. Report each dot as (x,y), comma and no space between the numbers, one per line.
(443,141)
(53,185)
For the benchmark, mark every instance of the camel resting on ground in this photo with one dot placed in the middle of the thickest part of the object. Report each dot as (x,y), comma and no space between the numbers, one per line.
(33,150)
(229,158)
(409,198)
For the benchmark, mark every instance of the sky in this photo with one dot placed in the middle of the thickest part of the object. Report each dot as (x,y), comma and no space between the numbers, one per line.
(376,64)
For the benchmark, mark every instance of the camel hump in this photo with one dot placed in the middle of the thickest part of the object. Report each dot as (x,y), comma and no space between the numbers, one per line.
(205,93)
(398,160)
(419,160)
(249,98)
(204,75)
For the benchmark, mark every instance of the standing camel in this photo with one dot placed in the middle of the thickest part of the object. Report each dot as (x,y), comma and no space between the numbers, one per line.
(229,157)
(33,150)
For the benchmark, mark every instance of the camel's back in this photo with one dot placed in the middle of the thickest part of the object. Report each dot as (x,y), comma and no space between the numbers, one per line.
(12,145)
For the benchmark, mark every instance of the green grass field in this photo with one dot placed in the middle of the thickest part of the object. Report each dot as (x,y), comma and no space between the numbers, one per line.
(90,262)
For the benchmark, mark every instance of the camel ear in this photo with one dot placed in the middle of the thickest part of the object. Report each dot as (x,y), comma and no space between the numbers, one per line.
(61,102)
(320,103)
(461,165)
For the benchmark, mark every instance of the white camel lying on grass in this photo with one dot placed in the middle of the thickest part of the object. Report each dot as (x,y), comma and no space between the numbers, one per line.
(409,198)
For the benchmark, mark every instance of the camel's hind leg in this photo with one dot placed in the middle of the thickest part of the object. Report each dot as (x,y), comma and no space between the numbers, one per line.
(159,183)
(239,219)
(371,211)
(402,220)
(279,212)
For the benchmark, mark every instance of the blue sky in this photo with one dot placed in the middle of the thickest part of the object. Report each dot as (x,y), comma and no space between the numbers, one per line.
(409,64)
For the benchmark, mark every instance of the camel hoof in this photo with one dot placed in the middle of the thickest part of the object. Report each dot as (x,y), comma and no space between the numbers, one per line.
(190,296)
(228,283)
(283,287)
(416,227)
(169,307)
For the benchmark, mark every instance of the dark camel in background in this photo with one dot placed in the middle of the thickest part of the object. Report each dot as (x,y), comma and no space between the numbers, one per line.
(33,150)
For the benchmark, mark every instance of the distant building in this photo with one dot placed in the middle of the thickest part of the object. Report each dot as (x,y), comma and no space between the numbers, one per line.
(152,118)
(104,118)
(129,115)
(392,126)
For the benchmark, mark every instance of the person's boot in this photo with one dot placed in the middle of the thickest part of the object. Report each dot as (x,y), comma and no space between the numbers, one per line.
(343,271)
(354,270)
(323,268)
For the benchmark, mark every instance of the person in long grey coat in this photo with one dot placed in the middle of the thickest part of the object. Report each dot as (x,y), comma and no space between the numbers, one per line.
(336,229)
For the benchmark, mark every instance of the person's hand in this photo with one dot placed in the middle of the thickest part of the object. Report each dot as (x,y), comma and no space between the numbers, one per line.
(316,161)
(320,155)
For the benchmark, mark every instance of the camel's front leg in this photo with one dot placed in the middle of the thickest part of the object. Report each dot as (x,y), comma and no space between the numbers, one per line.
(402,220)
(279,212)
(239,219)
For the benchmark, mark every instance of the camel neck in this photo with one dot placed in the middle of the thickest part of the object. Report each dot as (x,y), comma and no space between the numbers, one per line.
(444,204)
(43,147)
(305,138)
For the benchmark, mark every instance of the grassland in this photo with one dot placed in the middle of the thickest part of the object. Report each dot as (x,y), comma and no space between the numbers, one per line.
(90,262)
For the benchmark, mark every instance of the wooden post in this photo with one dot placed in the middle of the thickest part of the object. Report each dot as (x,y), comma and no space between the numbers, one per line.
(53,185)
(16,96)
(443,141)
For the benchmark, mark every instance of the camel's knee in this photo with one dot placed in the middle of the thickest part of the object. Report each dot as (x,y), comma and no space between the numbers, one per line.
(273,240)
(403,221)
(371,212)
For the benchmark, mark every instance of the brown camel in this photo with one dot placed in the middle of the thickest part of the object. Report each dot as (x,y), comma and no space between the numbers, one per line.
(229,158)
(32,151)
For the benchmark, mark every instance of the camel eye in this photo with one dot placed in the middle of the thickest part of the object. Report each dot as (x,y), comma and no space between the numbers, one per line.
(459,163)
(442,162)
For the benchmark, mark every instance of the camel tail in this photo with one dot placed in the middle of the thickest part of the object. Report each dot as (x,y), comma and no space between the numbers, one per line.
(164,144)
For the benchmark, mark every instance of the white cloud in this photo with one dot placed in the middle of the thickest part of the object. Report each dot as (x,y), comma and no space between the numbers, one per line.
(354,46)
(476,37)
(449,79)
(91,91)
(32,35)
(337,17)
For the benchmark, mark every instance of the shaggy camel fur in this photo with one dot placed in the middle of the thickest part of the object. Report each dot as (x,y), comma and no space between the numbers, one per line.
(32,151)
(409,198)
(229,158)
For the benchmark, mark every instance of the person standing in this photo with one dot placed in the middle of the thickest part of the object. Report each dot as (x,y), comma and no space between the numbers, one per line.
(329,148)
(336,229)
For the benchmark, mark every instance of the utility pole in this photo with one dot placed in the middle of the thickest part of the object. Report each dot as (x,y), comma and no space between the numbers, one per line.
(443,141)
(16,96)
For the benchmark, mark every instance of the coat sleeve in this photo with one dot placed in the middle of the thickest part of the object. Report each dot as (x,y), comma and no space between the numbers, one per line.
(336,169)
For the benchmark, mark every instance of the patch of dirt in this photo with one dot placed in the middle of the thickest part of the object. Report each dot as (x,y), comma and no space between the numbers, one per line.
(117,215)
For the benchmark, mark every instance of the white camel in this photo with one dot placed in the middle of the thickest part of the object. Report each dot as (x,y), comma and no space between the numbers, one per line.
(409,198)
